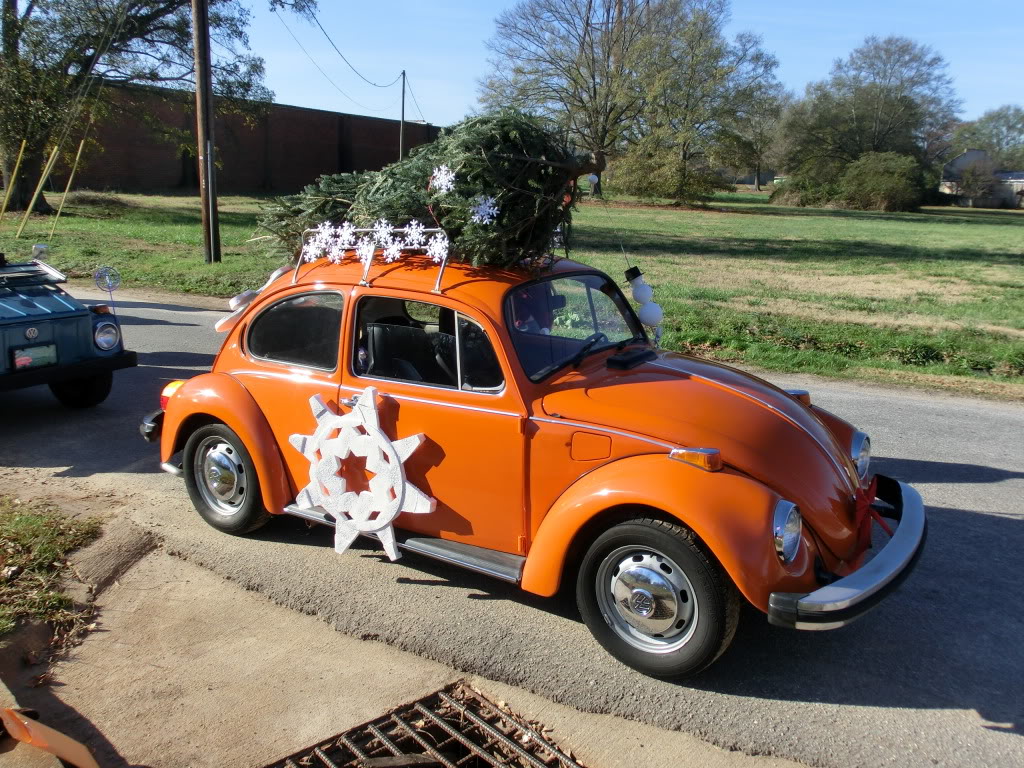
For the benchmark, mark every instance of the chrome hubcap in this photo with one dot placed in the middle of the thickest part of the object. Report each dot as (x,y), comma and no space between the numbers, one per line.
(646,599)
(220,475)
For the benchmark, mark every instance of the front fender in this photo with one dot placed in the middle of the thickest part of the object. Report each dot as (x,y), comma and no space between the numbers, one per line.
(223,398)
(730,513)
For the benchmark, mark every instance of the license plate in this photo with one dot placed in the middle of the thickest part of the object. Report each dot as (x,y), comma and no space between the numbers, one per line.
(35,357)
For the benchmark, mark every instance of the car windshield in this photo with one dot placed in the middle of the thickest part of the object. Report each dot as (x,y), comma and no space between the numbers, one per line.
(555,321)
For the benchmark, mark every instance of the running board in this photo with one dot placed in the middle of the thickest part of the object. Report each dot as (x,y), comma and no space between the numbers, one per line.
(499,565)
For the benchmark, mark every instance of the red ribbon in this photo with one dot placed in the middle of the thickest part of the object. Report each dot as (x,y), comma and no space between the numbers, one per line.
(866,513)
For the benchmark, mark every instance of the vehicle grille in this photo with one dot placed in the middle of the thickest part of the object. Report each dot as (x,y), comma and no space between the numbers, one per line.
(455,727)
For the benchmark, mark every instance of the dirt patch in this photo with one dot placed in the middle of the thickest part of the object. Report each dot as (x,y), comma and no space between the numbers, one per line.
(959,385)
(825,313)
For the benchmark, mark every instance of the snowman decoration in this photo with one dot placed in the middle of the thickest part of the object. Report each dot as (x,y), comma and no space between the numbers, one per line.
(649,312)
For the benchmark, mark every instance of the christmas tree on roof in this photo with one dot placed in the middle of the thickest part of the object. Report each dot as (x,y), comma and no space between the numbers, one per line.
(499,186)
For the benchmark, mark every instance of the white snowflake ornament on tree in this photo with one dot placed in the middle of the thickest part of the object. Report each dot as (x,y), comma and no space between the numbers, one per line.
(357,433)
(485,211)
(443,179)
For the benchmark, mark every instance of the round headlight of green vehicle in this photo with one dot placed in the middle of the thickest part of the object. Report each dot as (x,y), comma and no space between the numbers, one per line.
(860,453)
(106,336)
(786,528)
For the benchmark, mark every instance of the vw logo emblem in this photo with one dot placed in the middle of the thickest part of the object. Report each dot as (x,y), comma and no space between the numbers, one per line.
(642,602)
(31,333)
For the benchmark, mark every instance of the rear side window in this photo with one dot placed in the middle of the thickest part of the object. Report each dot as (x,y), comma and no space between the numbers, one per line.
(301,330)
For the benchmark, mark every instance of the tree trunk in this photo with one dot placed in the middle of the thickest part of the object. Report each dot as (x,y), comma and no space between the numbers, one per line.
(596,188)
(757,177)
(25,183)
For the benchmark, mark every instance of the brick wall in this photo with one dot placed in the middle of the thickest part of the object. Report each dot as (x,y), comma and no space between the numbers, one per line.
(280,153)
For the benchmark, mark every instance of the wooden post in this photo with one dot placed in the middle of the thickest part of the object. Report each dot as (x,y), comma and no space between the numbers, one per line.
(401,125)
(71,177)
(39,189)
(204,130)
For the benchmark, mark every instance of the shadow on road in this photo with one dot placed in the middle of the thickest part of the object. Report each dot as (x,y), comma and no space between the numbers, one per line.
(914,471)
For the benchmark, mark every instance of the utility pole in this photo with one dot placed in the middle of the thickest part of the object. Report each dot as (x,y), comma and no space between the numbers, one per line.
(204,129)
(401,125)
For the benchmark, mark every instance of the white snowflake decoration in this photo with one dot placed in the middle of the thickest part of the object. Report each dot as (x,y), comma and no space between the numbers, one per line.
(347,235)
(319,243)
(486,210)
(437,248)
(414,237)
(365,249)
(443,179)
(357,433)
(392,249)
(382,231)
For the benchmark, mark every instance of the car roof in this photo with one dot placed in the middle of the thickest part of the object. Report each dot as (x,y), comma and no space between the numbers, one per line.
(482,286)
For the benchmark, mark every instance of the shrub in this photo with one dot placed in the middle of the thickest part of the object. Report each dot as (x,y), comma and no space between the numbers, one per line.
(883,181)
(662,173)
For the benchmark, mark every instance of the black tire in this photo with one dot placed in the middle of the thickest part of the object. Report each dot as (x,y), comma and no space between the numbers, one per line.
(83,393)
(221,480)
(655,600)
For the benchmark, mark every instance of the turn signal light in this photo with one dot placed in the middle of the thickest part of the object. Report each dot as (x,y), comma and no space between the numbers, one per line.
(708,459)
(100,309)
(168,392)
(800,394)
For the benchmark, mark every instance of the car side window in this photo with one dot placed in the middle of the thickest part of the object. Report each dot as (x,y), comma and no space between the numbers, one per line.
(301,330)
(477,362)
(405,341)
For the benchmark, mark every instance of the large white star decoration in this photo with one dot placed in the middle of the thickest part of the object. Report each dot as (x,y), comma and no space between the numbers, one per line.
(357,433)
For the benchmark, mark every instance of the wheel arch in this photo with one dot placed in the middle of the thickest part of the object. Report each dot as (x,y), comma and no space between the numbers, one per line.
(218,398)
(732,520)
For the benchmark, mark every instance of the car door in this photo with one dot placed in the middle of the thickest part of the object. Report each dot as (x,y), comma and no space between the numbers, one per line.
(438,373)
(292,350)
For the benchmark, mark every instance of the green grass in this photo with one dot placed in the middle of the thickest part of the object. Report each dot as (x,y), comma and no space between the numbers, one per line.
(934,297)
(35,540)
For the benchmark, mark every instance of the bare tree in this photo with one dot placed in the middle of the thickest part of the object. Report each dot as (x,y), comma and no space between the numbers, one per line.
(577,62)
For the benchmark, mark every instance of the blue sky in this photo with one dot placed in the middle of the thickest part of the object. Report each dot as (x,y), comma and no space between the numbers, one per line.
(441,46)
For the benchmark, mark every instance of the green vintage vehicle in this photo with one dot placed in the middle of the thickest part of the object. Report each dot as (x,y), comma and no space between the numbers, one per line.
(49,337)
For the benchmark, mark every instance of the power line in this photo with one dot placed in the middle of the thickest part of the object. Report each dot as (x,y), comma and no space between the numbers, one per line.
(375,85)
(326,76)
(414,101)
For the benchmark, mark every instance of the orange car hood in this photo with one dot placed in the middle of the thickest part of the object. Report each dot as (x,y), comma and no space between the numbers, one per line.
(759,429)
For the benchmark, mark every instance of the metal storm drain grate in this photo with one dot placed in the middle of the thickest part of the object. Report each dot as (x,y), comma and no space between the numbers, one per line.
(455,727)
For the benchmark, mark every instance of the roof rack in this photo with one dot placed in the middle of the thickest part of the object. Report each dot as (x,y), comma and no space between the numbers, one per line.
(31,273)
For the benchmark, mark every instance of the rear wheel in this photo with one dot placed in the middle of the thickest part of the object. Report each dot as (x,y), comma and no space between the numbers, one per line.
(655,600)
(221,480)
(85,392)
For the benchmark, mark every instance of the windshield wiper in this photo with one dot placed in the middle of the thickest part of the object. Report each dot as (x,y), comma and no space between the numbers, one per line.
(626,342)
(588,345)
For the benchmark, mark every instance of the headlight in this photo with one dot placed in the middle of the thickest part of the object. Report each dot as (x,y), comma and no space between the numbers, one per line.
(860,453)
(106,336)
(786,528)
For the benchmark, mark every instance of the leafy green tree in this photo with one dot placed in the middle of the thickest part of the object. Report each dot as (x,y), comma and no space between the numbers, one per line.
(56,56)
(1000,132)
(889,95)
(749,138)
(702,82)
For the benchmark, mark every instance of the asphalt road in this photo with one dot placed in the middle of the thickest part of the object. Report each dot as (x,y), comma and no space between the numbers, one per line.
(934,676)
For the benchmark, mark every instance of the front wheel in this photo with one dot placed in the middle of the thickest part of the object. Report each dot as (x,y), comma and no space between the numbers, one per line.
(85,392)
(221,480)
(655,600)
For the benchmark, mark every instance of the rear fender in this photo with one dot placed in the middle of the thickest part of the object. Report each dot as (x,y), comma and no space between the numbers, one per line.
(222,398)
(728,511)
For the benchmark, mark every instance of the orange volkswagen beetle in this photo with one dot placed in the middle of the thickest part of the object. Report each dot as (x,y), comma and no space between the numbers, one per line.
(524,426)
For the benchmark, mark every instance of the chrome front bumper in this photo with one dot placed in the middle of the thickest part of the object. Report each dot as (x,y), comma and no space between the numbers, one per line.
(842,601)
